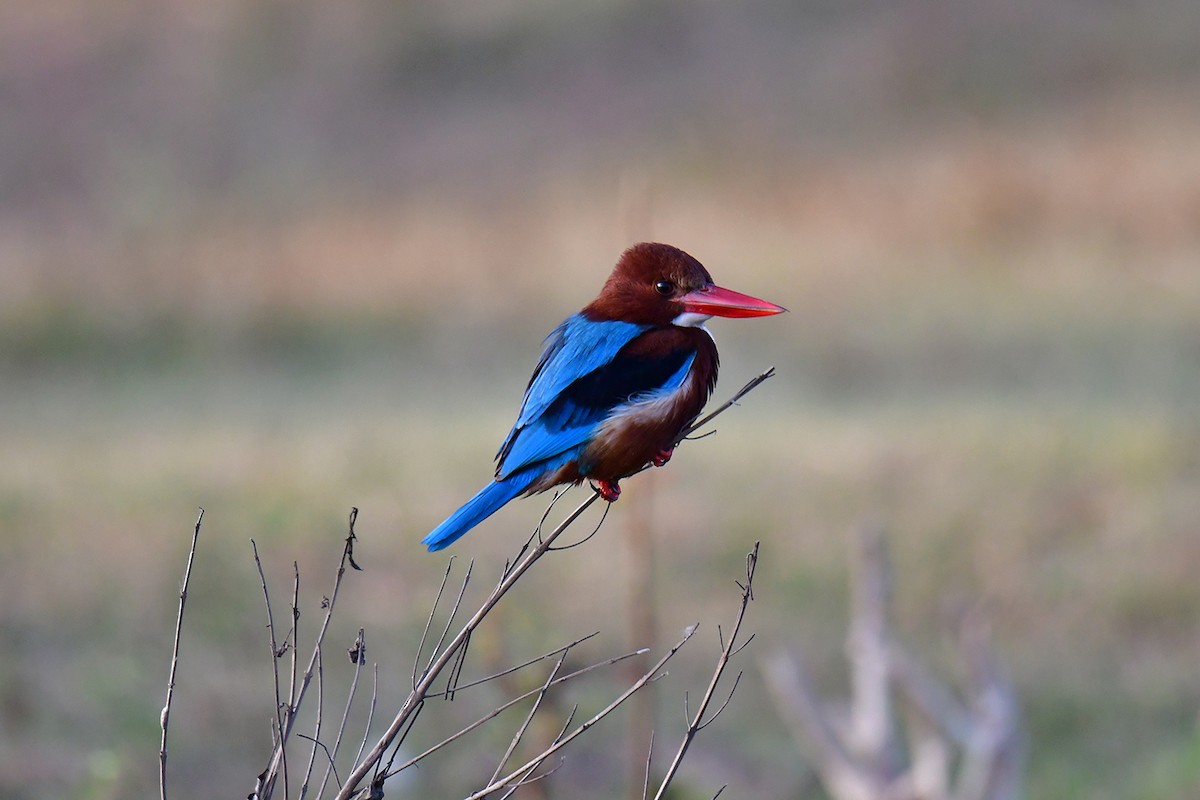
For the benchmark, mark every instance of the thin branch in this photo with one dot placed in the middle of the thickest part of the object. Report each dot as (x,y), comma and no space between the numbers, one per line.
(316,737)
(510,670)
(533,779)
(529,777)
(562,741)
(541,695)
(370,713)
(769,372)
(501,709)
(165,716)
(698,724)
(291,707)
(728,697)
(278,757)
(587,538)
(359,656)
(328,755)
(437,599)
(269,783)
(453,610)
(649,758)
(381,772)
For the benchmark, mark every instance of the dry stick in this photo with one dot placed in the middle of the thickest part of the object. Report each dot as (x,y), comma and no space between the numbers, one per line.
(528,778)
(769,372)
(437,599)
(562,741)
(268,781)
(278,757)
(417,696)
(316,737)
(646,776)
(537,703)
(519,667)
(359,656)
(370,713)
(449,623)
(291,707)
(698,723)
(165,716)
(501,709)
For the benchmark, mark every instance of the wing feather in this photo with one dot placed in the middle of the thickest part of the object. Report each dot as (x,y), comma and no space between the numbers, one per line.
(586,373)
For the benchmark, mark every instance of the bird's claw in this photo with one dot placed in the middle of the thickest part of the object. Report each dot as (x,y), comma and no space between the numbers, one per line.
(663,457)
(609,490)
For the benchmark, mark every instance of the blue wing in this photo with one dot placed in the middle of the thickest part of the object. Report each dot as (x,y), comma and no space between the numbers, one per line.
(574,349)
(582,377)
(580,380)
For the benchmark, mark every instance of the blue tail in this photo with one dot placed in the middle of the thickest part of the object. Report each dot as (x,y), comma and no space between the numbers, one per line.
(478,508)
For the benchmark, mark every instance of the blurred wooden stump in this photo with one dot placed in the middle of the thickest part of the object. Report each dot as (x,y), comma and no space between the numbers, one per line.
(946,747)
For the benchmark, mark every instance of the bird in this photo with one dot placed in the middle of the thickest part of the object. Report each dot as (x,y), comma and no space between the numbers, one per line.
(616,385)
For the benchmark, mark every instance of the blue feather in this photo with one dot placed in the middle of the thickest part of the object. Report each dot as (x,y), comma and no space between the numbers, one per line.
(477,509)
(576,347)
(578,383)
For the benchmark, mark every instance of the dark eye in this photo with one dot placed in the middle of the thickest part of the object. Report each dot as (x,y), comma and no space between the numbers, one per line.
(665,288)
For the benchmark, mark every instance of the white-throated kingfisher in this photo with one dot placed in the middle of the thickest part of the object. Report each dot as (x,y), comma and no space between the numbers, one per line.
(616,385)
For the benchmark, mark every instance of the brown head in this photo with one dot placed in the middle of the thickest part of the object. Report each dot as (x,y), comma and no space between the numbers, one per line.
(657,284)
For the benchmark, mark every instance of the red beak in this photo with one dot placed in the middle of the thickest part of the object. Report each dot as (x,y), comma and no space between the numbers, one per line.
(718,302)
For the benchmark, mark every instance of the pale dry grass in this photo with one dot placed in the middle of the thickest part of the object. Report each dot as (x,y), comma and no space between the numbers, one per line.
(1095,205)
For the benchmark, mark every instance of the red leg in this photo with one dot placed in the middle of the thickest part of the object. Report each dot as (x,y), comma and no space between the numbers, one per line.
(609,490)
(663,457)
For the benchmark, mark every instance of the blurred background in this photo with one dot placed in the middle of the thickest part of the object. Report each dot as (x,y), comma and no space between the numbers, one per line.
(281,258)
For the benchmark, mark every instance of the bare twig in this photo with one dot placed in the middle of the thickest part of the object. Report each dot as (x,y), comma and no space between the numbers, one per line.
(316,737)
(453,611)
(769,372)
(537,702)
(165,716)
(646,776)
(295,634)
(358,653)
(370,712)
(562,741)
(269,782)
(437,599)
(510,670)
(698,723)
(279,754)
(501,709)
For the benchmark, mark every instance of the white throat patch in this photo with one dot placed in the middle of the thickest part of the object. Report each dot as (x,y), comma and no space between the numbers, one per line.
(690,319)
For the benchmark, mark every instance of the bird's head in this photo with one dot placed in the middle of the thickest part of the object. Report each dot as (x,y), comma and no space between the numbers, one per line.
(657,284)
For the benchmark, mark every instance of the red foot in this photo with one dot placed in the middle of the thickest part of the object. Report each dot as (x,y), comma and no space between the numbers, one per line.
(663,457)
(609,490)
